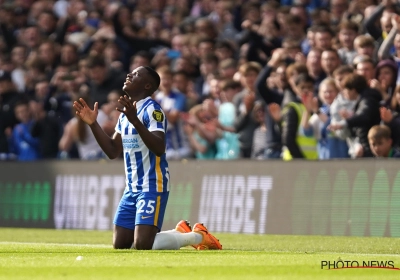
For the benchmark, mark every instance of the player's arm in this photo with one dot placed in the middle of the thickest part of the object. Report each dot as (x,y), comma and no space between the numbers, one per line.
(154,140)
(112,147)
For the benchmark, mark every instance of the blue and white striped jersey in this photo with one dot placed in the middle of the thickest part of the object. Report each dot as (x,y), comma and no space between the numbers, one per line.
(145,172)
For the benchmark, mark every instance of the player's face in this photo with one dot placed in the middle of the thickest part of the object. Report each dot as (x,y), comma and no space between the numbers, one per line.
(135,80)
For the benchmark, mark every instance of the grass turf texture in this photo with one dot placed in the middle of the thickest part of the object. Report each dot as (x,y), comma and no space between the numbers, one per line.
(51,254)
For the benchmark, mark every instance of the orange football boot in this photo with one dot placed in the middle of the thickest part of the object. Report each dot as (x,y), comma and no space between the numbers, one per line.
(183,227)
(210,242)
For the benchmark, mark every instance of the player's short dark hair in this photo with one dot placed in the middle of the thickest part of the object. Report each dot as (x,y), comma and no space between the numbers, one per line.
(154,75)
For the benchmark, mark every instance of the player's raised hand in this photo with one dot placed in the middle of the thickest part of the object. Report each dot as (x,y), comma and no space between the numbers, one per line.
(88,115)
(129,109)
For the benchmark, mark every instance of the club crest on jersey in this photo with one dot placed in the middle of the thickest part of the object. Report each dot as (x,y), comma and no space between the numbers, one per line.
(158,115)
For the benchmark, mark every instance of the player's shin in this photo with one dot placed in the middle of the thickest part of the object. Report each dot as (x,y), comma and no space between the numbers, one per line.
(175,240)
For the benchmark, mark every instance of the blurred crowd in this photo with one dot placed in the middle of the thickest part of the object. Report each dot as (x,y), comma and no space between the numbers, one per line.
(312,79)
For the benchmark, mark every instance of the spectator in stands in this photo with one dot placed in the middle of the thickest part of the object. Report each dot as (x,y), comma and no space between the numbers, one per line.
(47,129)
(338,9)
(348,31)
(215,89)
(244,102)
(50,48)
(206,47)
(364,46)
(77,132)
(48,54)
(276,96)
(8,99)
(390,47)
(316,125)
(340,107)
(390,116)
(366,113)
(296,143)
(202,147)
(383,12)
(227,68)
(330,61)
(103,79)
(224,50)
(18,58)
(364,66)
(112,114)
(112,56)
(227,143)
(35,70)
(386,76)
(24,146)
(181,81)
(141,58)
(31,38)
(323,38)
(296,27)
(59,96)
(380,142)
(173,103)
(259,146)
(69,55)
(208,65)
(314,68)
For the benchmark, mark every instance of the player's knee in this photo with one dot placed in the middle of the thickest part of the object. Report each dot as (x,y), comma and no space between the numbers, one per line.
(121,245)
(143,244)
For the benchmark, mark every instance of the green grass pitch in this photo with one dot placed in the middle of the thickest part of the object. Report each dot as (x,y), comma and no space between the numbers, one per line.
(52,254)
